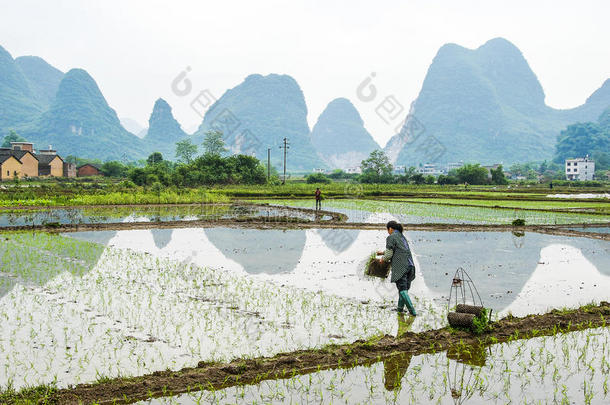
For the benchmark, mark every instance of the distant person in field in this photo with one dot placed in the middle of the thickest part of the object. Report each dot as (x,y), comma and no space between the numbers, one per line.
(397,251)
(318,195)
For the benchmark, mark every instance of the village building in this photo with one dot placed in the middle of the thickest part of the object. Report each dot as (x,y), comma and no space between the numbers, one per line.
(22,152)
(88,170)
(29,162)
(44,163)
(49,163)
(453,166)
(430,169)
(579,169)
(69,169)
(10,167)
(29,146)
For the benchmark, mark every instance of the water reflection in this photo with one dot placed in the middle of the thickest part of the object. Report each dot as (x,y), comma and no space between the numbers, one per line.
(32,259)
(460,376)
(338,240)
(101,214)
(395,367)
(502,263)
(269,251)
(559,369)
(595,229)
(162,237)
(511,271)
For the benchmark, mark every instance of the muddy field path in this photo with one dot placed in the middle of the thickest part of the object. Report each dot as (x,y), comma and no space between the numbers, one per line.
(214,376)
(284,223)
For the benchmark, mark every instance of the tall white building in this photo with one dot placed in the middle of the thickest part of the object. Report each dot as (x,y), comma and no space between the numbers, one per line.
(580,169)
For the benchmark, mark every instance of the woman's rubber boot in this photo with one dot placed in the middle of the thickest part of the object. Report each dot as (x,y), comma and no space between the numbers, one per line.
(401,304)
(405,297)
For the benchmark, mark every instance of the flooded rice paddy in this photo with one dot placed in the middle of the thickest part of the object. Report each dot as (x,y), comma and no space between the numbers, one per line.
(86,305)
(562,369)
(151,213)
(372,211)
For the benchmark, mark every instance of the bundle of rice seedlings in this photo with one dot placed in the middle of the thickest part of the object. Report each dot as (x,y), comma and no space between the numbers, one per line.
(377,268)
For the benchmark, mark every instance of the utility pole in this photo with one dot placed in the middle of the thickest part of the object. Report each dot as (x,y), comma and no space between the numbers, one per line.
(285,147)
(268,164)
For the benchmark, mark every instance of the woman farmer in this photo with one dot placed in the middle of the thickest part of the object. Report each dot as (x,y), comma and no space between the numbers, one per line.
(403,270)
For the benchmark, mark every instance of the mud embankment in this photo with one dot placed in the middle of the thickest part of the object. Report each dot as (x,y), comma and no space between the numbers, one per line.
(296,223)
(251,371)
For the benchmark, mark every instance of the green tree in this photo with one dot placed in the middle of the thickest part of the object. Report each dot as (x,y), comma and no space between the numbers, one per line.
(246,170)
(80,161)
(213,143)
(497,176)
(407,177)
(186,150)
(376,168)
(157,188)
(114,169)
(12,137)
(521,169)
(418,178)
(338,174)
(543,167)
(472,174)
(377,162)
(211,169)
(429,179)
(602,160)
(447,179)
(138,176)
(579,140)
(154,158)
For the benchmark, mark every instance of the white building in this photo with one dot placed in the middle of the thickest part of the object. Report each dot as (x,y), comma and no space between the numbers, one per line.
(430,169)
(580,169)
(453,165)
(353,170)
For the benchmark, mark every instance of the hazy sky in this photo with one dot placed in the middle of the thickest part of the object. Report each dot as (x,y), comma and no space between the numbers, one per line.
(134,49)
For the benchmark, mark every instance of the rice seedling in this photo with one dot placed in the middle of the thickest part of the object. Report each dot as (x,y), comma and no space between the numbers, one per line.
(75,311)
(511,372)
(410,212)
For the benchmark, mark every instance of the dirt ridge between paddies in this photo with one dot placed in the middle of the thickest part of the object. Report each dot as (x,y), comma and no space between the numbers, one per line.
(291,223)
(214,376)
(576,210)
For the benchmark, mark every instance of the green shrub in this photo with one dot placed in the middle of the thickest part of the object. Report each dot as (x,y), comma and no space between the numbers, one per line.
(316,178)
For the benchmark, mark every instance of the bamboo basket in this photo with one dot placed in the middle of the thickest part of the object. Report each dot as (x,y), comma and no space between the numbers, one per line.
(469,309)
(459,320)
